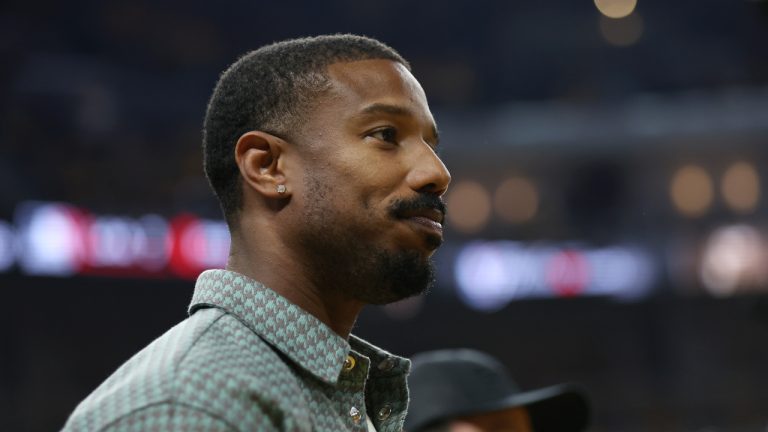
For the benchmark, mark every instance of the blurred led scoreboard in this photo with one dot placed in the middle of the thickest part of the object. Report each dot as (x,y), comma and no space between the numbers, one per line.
(58,239)
(490,274)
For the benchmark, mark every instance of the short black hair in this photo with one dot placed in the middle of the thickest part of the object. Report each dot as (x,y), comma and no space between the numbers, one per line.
(270,89)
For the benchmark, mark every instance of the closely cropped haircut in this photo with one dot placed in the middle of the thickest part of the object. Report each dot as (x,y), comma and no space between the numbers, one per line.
(271,89)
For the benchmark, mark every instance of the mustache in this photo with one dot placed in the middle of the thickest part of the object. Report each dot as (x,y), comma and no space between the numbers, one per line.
(423,201)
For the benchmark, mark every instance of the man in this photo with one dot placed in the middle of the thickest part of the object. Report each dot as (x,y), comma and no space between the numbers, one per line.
(468,391)
(322,152)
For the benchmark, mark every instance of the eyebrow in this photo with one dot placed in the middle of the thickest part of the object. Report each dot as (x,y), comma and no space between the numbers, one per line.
(396,110)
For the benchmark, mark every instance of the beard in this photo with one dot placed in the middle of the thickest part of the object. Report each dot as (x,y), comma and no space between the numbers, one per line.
(338,258)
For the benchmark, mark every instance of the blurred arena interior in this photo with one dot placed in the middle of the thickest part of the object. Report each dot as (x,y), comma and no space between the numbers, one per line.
(607,218)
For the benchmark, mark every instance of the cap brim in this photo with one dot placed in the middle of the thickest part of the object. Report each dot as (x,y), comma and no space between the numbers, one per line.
(558,408)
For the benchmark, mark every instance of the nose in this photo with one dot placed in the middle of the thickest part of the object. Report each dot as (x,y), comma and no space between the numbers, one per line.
(429,173)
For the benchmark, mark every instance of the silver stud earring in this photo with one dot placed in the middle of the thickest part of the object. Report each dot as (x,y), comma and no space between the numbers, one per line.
(281,189)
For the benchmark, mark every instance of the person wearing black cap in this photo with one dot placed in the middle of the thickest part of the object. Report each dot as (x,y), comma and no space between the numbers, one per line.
(464,390)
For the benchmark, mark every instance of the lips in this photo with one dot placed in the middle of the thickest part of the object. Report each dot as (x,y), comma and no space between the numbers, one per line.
(431,214)
(424,214)
(429,218)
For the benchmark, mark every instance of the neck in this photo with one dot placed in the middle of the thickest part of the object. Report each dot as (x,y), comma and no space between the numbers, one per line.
(285,274)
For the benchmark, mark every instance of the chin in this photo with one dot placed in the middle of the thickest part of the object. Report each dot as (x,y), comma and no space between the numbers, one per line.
(398,276)
(433,242)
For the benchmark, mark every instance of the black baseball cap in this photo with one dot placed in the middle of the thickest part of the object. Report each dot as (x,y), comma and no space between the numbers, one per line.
(446,384)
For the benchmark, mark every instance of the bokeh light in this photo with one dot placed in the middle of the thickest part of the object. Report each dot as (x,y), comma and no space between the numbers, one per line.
(740,187)
(733,258)
(516,200)
(616,8)
(469,206)
(691,191)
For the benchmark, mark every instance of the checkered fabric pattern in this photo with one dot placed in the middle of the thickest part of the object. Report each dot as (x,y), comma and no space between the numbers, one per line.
(246,359)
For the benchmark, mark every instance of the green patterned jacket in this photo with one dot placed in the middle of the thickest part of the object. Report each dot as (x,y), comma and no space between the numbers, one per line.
(246,359)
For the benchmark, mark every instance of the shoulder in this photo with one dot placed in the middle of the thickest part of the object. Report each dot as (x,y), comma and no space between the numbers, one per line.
(171,416)
(146,378)
(211,363)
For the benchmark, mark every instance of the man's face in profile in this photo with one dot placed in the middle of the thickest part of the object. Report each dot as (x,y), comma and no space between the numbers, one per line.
(371,208)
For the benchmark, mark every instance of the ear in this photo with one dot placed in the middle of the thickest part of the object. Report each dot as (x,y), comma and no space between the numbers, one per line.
(258,156)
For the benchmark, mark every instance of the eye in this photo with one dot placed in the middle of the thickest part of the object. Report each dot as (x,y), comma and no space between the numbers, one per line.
(387,134)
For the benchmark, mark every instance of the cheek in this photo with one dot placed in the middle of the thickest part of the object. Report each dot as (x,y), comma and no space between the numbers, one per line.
(384,176)
(369,182)
(370,176)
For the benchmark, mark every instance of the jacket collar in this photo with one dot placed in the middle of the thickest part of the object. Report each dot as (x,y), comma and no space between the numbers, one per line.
(296,333)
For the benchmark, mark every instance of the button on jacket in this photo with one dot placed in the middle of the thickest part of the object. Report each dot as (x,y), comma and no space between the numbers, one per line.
(247,359)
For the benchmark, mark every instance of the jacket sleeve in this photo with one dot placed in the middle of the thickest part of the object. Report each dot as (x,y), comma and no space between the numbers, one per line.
(177,417)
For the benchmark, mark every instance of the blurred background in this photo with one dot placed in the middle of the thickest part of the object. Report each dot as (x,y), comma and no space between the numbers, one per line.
(607,217)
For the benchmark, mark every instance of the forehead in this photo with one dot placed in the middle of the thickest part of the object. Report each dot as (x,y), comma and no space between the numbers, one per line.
(359,84)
